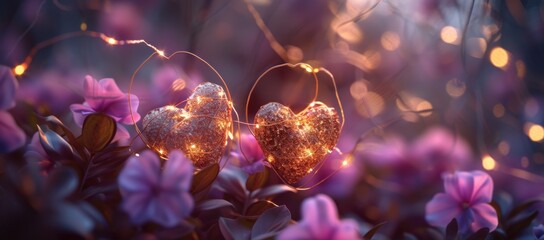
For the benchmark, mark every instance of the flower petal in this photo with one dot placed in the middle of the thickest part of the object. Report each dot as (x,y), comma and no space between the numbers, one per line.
(459,185)
(8,88)
(140,173)
(441,210)
(12,136)
(485,216)
(347,229)
(296,232)
(178,172)
(320,214)
(80,112)
(483,188)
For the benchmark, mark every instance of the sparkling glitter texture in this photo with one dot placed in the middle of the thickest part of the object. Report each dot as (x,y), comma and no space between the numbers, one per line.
(200,129)
(295,143)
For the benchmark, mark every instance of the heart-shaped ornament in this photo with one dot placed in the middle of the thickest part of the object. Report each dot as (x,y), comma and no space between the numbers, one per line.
(295,143)
(200,129)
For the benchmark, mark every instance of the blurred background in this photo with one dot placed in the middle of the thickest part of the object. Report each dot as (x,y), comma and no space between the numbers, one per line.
(427,86)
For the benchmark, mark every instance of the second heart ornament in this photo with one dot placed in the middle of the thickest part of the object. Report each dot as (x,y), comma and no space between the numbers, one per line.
(200,129)
(295,143)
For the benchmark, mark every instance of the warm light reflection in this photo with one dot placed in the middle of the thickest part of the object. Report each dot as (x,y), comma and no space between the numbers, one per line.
(534,131)
(455,88)
(358,89)
(498,110)
(370,105)
(178,84)
(498,57)
(390,41)
(476,47)
(504,147)
(448,34)
(488,163)
(520,69)
(83,26)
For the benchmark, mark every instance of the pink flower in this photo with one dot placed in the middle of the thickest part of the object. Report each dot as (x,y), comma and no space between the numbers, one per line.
(105,97)
(149,195)
(320,221)
(249,155)
(467,199)
(538,231)
(8,88)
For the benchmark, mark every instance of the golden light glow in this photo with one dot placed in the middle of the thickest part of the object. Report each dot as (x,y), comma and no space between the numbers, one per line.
(270,158)
(137,154)
(498,110)
(161,151)
(178,84)
(488,163)
(534,131)
(257,126)
(193,146)
(425,107)
(19,69)
(390,41)
(498,57)
(448,34)
(83,26)
(349,32)
(370,105)
(231,136)
(455,88)
(358,89)
(161,53)
(111,41)
(310,170)
(345,163)
(308,152)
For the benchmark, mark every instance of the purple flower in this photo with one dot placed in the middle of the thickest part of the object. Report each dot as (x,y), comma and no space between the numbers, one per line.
(8,88)
(539,232)
(105,97)
(149,195)
(12,136)
(467,199)
(320,221)
(249,155)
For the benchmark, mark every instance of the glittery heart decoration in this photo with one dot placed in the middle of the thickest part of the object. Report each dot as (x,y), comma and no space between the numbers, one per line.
(200,129)
(295,143)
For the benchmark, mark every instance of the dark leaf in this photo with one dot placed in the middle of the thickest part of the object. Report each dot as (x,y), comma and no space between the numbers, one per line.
(92,212)
(497,208)
(257,180)
(257,208)
(479,235)
(98,131)
(515,228)
(233,229)
(409,236)
(112,153)
(178,232)
(368,235)
(519,209)
(97,170)
(204,178)
(213,204)
(272,191)
(96,189)
(231,182)
(498,234)
(271,221)
(72,219)
(54,144)
(61,183)
(452,229)
(56,125)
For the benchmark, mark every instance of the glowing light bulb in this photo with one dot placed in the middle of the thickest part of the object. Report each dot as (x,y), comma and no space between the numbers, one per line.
(498,57)
(137,154)
(193,146)
(310,170)
(488,163)
(534,131)
(111,41)
(344,163)
(448,34)
(161,53)
(19,69)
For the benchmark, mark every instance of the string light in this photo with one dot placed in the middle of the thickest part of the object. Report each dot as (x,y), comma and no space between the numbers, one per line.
(489,163)
(20,69)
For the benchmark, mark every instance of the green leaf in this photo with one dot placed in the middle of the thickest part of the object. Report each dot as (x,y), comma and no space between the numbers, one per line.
(257,180)
(368,235)
(271,222)
(204,178)
(98,132)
